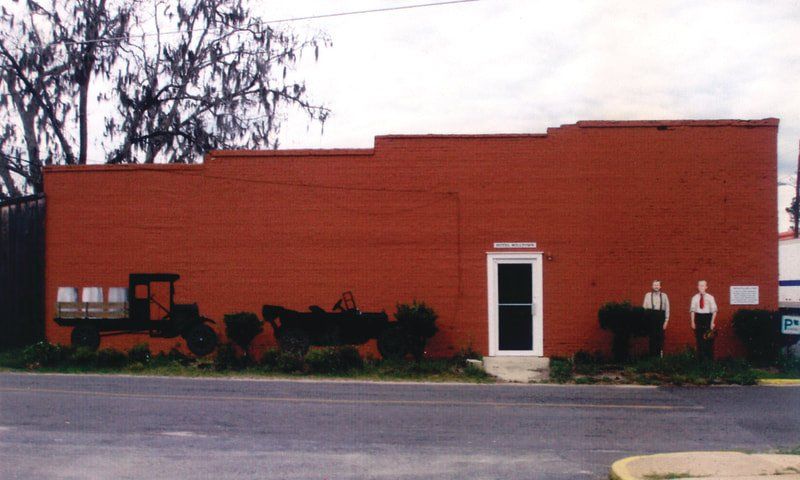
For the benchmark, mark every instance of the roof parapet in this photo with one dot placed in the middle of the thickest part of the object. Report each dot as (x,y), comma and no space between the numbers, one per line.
(765,122)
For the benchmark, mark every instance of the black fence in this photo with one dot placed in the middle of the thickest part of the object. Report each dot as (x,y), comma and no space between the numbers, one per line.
(22,270)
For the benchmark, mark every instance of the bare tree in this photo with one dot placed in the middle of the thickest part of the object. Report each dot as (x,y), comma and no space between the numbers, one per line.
(47,65)
(173,80)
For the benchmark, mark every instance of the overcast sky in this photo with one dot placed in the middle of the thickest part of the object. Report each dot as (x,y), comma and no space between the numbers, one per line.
(523,66)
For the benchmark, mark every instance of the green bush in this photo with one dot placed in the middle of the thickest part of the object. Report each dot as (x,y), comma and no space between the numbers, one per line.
(269,359)
(226,358)
(322,360)
(685,368)
(173,357)
(760,333)
(476,372)
(737,371)
(628,319)
(83,357)
(241,328)
(42,354)
(290,363)
(585,381)
(679,363)
(110,358)
(140,353)
(561,370)
(582,357)
(334,359)
(625,321)
(417,321)
(137,367)
(587,363)
(789,363)
(349,358)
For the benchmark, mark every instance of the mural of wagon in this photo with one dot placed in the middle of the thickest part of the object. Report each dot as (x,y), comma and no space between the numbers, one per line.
(147,305)
(345,324)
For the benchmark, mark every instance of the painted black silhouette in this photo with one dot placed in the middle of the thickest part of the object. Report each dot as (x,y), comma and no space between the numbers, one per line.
(150,307)
(345,324)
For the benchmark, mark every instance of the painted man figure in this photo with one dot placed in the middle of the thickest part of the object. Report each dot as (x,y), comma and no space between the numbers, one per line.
(704,312)
(657,300)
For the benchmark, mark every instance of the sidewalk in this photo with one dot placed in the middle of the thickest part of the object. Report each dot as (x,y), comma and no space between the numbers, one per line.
(707,466)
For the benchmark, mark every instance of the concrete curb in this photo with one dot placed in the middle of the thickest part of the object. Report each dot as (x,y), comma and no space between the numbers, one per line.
(780,382)
(620,471)
(707,464)
(223,378)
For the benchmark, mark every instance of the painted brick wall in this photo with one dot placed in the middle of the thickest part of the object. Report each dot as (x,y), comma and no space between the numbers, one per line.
(615,204)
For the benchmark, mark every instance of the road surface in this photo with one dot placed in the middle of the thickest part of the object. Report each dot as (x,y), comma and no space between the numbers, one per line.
(95,426)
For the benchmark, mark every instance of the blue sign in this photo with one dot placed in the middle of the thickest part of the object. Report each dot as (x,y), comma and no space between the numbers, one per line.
(790,324)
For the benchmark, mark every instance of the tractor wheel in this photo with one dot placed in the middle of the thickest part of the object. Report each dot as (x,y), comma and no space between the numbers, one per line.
(201,340)
(86,336)
(294,341)
(392,343)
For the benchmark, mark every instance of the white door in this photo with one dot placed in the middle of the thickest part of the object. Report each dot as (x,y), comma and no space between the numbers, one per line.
(515,303)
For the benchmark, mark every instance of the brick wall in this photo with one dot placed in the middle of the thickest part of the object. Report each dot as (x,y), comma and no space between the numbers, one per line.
(615,204)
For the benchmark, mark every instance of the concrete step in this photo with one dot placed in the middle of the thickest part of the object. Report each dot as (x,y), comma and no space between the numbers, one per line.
(518,369)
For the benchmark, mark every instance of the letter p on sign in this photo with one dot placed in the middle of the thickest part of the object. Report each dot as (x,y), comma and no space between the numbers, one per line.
(790,325)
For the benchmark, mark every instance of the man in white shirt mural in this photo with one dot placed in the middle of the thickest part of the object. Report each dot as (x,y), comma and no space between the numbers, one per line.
(703,312)
(657,300)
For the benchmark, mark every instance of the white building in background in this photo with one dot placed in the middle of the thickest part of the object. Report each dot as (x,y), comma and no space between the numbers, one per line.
(789,274)
(785,196)
(788,268)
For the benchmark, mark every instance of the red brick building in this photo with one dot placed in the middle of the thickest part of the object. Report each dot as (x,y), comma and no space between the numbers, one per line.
(609,205)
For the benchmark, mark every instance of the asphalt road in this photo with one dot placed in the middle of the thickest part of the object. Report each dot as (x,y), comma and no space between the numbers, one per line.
(92,426)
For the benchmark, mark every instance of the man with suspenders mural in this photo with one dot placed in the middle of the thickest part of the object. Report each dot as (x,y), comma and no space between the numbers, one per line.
(657,300)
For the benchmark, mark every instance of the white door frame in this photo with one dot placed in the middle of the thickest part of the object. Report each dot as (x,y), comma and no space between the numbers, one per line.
(535,259)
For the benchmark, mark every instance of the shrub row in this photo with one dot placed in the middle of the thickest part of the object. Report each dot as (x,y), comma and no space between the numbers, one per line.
(327,360)
(680,369)
(684,368)
(758,330)
(44,354)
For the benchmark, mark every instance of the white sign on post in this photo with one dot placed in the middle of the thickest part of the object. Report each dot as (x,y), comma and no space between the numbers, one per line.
(514,244)
(790,325)
(744,294)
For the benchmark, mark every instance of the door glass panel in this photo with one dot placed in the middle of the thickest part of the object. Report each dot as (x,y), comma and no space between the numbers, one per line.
(515,306)
(516,327)
(514,283)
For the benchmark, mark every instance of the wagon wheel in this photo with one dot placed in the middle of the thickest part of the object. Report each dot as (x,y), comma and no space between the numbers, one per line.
(86,336)
(294,341)
(392,343)
(201,340)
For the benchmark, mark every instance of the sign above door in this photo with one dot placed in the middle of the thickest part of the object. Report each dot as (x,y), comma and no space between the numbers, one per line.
(514,244)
